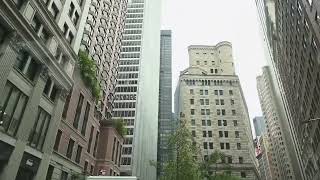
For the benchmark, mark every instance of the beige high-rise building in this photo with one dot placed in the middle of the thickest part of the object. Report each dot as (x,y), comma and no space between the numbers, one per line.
(281,163)
(209,94)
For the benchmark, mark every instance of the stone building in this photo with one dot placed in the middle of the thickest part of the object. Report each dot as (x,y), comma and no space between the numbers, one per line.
(78,142)
(264,158)
(38,56)
(210,95)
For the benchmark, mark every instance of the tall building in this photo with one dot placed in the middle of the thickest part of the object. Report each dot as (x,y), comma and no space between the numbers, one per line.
(281,163)
(210,95)
(264,158)
(166,123)
(38,57)
(294,40)
(77,148)
(137,91)
(259,125)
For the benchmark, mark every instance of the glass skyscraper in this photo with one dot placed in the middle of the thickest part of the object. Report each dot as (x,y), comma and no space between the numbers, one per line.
(137,91)
(166,123)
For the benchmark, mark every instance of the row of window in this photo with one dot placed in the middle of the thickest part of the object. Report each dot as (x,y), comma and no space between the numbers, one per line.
(129,62)
(210,82)
(127,89)
(127,82)
(130,55)
(128,68)
(219,112)
(208,122)
(124,113)
(207,102)
(125,105)
(206,92)
(127,76)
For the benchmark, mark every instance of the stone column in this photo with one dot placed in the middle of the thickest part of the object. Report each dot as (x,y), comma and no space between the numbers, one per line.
(27,122)
(8,54)
(51,135)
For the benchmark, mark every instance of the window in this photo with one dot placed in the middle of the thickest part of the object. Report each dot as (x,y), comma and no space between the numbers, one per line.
(75,18)
(12,106)
(191,101)
(219,122)
(243,175)
(233,112)
(218,112)
(201,101)
(50,172)
(207,111)
(192,111)
(70,148)
(211,70)
(78,112)
(191,91)
(201,92)
(223,112)
(65,29)
(40,128)
(90,139)
(220,134)
(204,133)
(232,101)
(237,134)
(113,148)
(210,145)
(50,90)
(208,122)
(235,122)
(198,63)
(207,101)
(27,65)
(206,92)
(240,160)
(229,159)
(221,92)
(205,145)
(239,146)
(78,155)
(205,62)
(70,37)
(85,119)
(230,92)
(225,123)
(96,144)
(203,122)
(217,102)
(226,134)
(227,146)
(216,71)
(221,101)
(216,92)
(64,175)
(193,133)
(193,122)
(210,133)
(221,145)
(203,112)
(85,168)
(71,9)
(54,10)
(91,169)
(57,141)
(36,23)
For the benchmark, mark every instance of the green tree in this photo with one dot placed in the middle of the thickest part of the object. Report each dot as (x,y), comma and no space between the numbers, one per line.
(185,165)
(88,73)
(119,125)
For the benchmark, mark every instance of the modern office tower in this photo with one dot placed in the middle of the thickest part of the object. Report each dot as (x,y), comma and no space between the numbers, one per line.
(294,41)
(166,123)
(264,158)
(210,95)
(77,149)
(280,159)
(259,125)
(137,91)
(37,60)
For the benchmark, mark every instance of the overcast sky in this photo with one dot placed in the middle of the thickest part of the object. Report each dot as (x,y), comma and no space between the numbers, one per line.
(208,22)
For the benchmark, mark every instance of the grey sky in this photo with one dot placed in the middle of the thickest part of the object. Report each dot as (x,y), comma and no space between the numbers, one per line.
(211,21)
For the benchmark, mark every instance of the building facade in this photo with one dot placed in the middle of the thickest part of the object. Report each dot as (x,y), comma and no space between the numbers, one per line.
(281,163)
(210,95)
(166,121)
(136,101)
(80,144)
(38,57)
(259,125)
(294,41)
(264,158)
